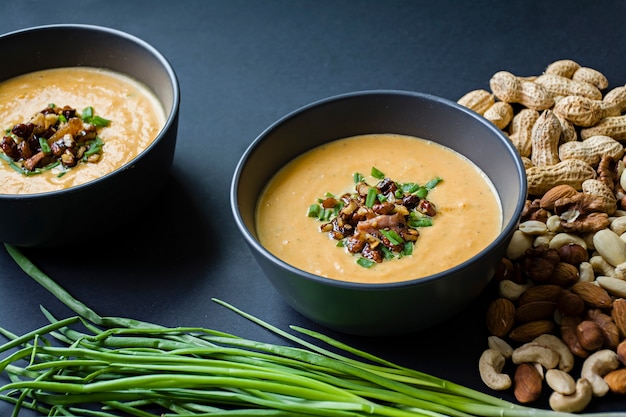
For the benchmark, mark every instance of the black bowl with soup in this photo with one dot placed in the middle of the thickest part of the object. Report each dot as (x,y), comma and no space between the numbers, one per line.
(56,192)
(340,156)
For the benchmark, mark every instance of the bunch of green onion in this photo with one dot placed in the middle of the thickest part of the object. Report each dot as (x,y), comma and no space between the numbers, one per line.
(88,365)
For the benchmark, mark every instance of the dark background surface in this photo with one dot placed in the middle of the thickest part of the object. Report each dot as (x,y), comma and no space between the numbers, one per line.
(242,65)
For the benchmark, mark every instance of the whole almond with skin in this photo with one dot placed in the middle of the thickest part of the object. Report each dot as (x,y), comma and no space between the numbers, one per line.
(548,292)
(526,332)
(528,383)
(535,310)
(555,193)
(500,317)
(618,313)
(592,294)
(564,275)
(569,304)
(616,380)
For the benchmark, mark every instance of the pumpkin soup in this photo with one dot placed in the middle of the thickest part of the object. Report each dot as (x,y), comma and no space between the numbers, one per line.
(127,115)
(461,202)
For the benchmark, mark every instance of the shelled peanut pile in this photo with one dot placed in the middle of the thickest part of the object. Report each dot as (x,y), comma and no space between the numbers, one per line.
(559,320)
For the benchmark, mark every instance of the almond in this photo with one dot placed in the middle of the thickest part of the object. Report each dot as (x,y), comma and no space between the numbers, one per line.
(564,274)
(528,383)
(569,304)
(618,313)
(592,294)
(555,193)
(547,292)
(500,317)
(534,310)
(616,380)
(528,331)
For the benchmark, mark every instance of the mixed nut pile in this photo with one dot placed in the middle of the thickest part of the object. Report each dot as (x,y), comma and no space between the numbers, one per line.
(559,320)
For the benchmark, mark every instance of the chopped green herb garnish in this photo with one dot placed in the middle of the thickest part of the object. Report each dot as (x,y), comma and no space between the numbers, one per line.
(365,263)
(408,249)
(313,211)
(371,197)
(45,148)
(356,177)
(421,192)
(377,174)
(432,183)
(393,236)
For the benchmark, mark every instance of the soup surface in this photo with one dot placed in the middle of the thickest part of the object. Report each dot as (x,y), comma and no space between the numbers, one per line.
(136,118)
(468,215)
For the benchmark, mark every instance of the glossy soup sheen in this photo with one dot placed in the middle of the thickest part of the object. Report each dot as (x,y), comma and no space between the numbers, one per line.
(468,218)
(135,113)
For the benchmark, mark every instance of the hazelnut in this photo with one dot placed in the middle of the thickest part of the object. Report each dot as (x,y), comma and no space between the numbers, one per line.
(589,335)
(573,254)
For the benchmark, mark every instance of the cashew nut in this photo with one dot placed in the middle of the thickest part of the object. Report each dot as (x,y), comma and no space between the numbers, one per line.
(511,290)
(560,381)
(566,357)
(496,343)
(586,272)
(596,366)
(572,403)
(534,352)
(490,367)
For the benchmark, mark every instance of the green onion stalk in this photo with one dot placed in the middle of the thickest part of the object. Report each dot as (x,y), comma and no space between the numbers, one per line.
(94,366)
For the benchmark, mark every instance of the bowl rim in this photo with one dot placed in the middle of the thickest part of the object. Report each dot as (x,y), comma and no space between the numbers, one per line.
(507,229)
(170,118)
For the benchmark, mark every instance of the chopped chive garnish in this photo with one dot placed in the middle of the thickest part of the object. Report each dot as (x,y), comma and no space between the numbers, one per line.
(407,249)
(376,173)
(432,183)
(381,198)
(388,254)
(422,192)
(62,118)
(356,177)
(421,222)
(393,237)
(313,210)
(370,199)
(365,263)
(341,243)
(94,147)
(45,148)
(87,113)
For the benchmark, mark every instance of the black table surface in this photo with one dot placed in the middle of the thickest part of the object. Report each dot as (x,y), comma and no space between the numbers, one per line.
(244,64)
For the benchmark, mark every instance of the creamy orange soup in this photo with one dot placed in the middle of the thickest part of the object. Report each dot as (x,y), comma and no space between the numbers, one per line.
(136,118)
(468,215)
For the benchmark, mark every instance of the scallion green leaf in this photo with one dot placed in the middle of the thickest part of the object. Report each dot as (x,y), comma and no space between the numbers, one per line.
(376,173)
(393,237)
(365,263)
(370,199)
(313,210)
(43,143)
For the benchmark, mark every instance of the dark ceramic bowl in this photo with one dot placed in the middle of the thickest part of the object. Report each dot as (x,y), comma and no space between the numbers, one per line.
(380,309)
(33,220)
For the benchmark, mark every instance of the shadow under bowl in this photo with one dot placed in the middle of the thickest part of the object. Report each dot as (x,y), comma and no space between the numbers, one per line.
(389,308)
(114,200)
